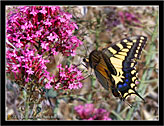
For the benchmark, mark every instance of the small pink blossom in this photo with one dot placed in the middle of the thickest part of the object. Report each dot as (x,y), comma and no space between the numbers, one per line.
(48,86)
(25,26)
(44,45)
(29,71)
(26,66)
(33,12)
(43,11)
(48,23)
(54,52)
(51,37)
(62,19)
(38,33)
(15,67)
(19,44)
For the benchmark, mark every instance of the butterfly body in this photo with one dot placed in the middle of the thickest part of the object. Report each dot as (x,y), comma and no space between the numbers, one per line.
(114,66)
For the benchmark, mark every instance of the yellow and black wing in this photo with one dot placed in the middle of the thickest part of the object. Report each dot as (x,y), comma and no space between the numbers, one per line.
(115,66)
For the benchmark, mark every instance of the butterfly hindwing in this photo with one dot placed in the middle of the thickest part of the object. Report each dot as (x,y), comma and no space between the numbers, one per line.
(123,56)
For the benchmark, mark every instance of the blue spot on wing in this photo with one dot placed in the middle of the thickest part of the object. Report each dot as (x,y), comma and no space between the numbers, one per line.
(127,75)
(125,84)
(120,86)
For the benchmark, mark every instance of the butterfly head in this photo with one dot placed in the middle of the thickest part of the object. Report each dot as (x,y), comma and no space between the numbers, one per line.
(86,61)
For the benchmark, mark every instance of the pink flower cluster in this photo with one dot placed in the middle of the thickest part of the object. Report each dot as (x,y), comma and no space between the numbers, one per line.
(127,17)
(89,112)
(34,34)
(46,27)
(25,63)
(69,77)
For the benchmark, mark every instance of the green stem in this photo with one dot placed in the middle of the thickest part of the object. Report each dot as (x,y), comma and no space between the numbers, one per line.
(26,106)
(97,39)
(117,115)
(129,115)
